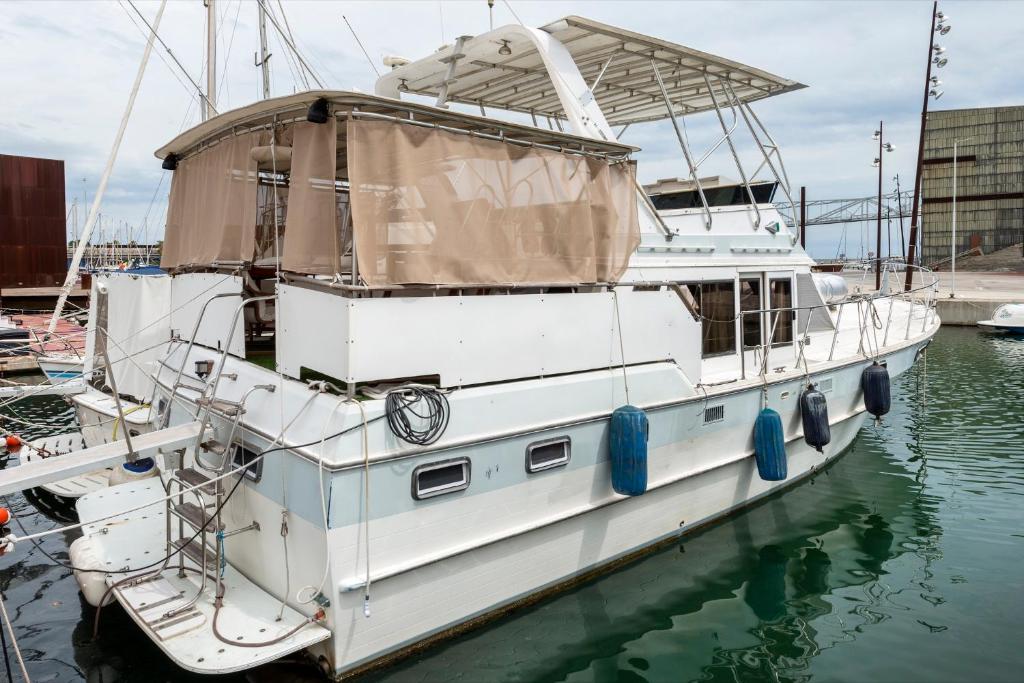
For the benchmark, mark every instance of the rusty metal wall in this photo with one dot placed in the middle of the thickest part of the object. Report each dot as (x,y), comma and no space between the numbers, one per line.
(33,242)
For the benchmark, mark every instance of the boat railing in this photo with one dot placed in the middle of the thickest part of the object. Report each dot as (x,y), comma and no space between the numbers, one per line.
(869,323)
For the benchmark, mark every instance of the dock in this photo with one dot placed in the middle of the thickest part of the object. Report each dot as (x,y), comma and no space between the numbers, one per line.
(68,337)
(976,297)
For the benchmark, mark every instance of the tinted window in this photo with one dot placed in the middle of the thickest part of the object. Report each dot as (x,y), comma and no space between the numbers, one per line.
(750,300)
(782,297)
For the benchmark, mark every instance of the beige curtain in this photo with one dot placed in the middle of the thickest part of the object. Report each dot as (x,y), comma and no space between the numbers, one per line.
(312,243)
(211,214)
(435,207)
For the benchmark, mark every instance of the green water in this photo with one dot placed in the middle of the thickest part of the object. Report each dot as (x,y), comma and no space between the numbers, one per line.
(902,562)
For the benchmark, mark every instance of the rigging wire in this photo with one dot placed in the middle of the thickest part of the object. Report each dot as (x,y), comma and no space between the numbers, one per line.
(231,41)
(172,55)
(365,53)
(291,45)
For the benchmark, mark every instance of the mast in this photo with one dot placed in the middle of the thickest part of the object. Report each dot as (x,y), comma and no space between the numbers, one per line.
(262,63)
(76,260)
(210,105)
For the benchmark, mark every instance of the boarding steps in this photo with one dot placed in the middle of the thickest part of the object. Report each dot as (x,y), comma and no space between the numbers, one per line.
(175,608)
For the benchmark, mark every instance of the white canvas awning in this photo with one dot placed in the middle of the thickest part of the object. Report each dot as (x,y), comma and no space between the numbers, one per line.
(627,92)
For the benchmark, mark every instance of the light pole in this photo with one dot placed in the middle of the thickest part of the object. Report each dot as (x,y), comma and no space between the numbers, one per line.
(931,89)
(952,246)
(888,147)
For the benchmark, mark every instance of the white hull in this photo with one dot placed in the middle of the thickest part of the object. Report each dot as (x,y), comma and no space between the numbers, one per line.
(60,368)
(692,483)
(439,565)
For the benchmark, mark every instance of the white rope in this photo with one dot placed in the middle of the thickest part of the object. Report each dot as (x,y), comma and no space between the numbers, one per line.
(14,640)
(622,348)
(316,590)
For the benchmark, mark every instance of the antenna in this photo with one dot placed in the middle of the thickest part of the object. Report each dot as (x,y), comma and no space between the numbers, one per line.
(356,36)
(490,12)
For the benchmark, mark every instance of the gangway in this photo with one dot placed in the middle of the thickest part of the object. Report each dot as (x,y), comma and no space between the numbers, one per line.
(38,472)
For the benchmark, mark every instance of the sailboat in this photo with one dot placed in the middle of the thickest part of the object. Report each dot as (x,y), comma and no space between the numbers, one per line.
(413,367)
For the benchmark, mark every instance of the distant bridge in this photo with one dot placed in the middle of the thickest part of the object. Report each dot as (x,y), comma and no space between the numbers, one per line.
(832,211)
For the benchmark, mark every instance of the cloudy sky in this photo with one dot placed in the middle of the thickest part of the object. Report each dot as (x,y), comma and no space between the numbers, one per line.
(68,68)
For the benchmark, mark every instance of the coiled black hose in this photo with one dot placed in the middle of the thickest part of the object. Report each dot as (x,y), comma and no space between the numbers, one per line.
(417,415)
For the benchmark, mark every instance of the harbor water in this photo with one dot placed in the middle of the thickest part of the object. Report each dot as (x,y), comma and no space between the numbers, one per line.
(904,561)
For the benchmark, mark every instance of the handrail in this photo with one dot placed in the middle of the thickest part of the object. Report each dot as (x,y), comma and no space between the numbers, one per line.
(223,360)
(188,349)
(732,148)
(683,146)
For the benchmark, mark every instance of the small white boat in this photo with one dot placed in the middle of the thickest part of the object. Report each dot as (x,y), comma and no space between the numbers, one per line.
(1007,318)
(61,368)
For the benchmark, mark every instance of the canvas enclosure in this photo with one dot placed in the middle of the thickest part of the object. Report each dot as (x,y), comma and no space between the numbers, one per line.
(431,206)
(211,213)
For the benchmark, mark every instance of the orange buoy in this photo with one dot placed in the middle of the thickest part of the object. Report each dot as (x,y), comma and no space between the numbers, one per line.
(5,516)
(13,442)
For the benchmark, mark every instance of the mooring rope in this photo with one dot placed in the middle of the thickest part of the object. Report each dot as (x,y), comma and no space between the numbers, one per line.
(14,640)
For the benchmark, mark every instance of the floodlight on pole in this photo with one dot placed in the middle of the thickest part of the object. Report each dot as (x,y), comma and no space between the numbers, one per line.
(940,62)
(934,92)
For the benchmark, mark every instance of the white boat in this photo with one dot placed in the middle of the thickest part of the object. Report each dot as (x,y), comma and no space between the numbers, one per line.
(1006,318)
(460,306)
(61,368)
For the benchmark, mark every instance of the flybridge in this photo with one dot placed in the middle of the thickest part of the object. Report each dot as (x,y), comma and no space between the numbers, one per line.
(592,76)
(525,70)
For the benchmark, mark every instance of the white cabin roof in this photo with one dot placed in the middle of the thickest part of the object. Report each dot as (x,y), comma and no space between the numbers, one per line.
(627,92)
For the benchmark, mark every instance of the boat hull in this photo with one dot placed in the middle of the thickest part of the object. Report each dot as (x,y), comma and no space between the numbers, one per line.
(415,603)
(61,369)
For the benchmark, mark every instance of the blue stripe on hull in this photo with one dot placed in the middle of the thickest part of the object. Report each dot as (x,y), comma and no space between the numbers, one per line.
(65,374)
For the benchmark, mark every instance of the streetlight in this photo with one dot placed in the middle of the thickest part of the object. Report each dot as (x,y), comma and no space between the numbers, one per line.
(887,147)
(952,246)
(940,26)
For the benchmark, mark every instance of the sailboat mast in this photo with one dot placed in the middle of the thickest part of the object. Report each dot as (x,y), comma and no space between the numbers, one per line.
(94,210)
(264,66)
(210,105)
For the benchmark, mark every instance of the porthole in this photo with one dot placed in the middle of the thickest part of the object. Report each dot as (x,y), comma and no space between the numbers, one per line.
(242,459)
(439,478)
(545,455)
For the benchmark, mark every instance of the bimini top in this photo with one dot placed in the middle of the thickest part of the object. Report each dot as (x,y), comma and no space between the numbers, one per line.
(508,69)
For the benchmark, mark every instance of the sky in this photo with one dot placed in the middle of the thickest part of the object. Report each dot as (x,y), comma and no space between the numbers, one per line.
(68,68)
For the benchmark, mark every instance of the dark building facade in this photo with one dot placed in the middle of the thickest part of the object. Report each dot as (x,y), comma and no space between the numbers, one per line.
(990,181)
(33,233)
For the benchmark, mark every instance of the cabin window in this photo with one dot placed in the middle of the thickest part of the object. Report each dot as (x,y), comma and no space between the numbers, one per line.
(782,297)
(716,305)
(243,459)
(439,478)
(750,300)
(544,455)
